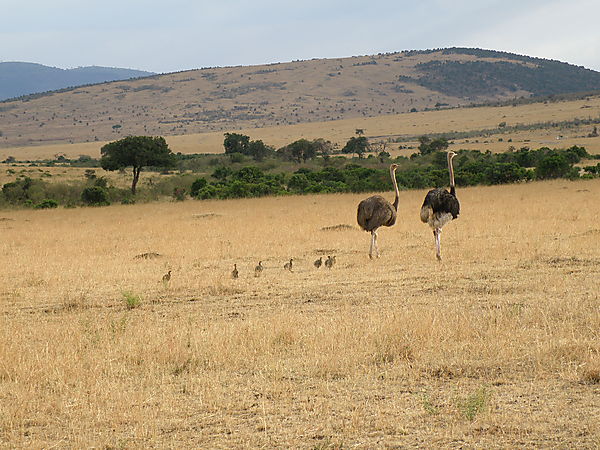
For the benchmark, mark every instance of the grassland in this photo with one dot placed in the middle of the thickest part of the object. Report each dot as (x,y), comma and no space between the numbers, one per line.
(498,346)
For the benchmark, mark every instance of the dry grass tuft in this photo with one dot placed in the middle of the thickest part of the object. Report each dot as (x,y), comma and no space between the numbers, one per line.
(340,227)
(591,370)
(148,255)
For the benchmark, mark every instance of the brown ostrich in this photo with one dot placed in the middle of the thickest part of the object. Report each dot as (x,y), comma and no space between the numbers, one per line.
(376,211)
(166,277)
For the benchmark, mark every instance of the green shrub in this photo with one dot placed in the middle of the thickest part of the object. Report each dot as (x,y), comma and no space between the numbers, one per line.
(208,192)
(47,204)
(197,186)
(95,196)
(553,166)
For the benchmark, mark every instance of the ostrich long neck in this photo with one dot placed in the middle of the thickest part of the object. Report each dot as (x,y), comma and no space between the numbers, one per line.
(451,170)
(393,175)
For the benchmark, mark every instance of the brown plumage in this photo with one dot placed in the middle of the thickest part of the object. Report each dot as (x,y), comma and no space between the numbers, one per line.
(258,269)
(319,262)
(440,207)
(288,265)
(167,277)
(376,211)
(234,272)
(330,262)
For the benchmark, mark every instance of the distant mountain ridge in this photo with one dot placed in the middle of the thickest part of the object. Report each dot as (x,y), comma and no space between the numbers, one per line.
(316,90)
(22,78)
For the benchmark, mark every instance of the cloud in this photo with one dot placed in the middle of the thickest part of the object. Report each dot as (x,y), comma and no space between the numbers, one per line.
(183,34)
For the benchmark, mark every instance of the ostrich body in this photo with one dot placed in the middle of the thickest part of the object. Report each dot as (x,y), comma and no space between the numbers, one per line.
(166,277)
(330,262)
(319,262)
(440,207)
(376,211)
(234,272)
(258,269)
(288,265)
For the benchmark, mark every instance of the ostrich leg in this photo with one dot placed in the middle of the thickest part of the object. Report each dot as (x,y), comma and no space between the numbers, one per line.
(438,247)
(376,248)
(372,244)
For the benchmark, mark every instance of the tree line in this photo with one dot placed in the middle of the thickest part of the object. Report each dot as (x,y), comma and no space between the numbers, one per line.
(252,169)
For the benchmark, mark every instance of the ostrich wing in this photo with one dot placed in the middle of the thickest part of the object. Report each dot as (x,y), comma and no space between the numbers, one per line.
(442,201)
(375,212)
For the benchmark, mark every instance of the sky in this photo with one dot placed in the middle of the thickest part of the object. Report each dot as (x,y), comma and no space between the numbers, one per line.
(169,36)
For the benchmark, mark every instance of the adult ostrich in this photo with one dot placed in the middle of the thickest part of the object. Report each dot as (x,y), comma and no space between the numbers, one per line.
(440,207)
(376,211)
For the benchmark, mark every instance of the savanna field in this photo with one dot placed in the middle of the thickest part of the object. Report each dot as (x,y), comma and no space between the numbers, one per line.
(497,346)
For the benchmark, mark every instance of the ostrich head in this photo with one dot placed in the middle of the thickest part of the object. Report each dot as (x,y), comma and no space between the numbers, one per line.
(394,167)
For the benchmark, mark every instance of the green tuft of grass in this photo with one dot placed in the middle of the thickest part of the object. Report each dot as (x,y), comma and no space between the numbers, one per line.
(428,405)
(474,404)
(131,299)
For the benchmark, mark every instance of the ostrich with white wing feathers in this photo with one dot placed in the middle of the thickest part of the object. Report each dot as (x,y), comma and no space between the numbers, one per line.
(440,207)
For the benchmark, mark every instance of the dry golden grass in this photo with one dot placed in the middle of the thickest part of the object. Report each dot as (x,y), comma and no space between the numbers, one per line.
(498,346)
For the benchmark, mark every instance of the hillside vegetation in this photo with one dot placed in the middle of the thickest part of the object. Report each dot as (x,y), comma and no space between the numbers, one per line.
(217,99)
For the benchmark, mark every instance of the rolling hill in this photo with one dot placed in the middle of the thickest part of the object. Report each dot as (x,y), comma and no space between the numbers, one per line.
(20,78)
(320,90)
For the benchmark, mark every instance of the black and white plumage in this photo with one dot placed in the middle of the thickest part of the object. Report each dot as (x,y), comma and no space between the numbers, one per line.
(319,262)
(376,211)
(440,207)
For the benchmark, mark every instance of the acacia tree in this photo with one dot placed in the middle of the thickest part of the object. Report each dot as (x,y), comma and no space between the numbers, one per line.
(136,152)
(236,143)
(428,145)
(358,145)
(300,150)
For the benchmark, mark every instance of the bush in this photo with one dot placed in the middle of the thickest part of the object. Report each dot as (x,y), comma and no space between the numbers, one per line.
(47,204)
(95,196)
(25,191)
(178,194)
(553,166)
(298,183)
(208,192)
(197,186)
